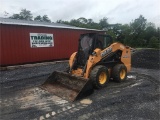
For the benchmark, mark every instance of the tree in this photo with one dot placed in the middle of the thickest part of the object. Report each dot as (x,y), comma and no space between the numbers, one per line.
(103,23)
(38,18)
(15,16)
(137,31)
(149,32)
(154,42)
(90,21)
(138,26)
(63,22)
(45,18)
(26,14)
(59,21)
(82,20)
(42,19)
(23,15)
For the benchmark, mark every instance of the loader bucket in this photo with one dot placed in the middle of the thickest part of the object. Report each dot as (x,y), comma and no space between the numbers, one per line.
(67,86)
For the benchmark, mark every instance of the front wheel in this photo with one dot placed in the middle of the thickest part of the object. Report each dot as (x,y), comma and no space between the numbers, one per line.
(119,72)
(99,76)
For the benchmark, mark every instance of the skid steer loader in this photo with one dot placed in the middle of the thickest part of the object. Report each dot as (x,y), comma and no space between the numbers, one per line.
(97,60)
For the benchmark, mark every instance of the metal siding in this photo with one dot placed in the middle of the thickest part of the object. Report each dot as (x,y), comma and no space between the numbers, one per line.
(15,44)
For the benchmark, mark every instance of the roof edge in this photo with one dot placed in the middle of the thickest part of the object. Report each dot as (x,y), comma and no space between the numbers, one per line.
(41,25)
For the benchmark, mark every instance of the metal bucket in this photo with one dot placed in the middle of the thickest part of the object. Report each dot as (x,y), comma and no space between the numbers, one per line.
(67,86)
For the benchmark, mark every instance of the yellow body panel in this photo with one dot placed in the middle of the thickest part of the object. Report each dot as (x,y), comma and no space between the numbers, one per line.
(126,54)
(72,58)
(93,59)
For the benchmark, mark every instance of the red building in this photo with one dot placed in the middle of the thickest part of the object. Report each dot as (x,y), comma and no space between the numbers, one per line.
(30,41)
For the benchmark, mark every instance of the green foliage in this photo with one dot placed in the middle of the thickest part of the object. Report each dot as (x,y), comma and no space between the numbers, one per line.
(112,34)
(27,15)
(45,18)
(149,32)
(82,22)
(136,34)
(103,23)
(154,42)
(15,16)
(23,15)
(38,18)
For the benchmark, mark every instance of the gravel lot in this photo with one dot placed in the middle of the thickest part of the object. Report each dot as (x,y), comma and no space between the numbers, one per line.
(146,58)
(136,98)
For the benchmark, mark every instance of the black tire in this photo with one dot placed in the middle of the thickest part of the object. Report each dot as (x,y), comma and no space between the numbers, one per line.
(99,76)
(119,73)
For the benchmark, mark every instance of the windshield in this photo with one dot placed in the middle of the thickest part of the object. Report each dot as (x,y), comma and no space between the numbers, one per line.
(86,42)
(84,51)
(104,41)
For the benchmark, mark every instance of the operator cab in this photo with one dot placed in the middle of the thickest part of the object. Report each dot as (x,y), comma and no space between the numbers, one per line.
(88,43)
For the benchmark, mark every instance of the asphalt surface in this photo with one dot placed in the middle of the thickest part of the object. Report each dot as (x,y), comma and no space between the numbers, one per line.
(137,98)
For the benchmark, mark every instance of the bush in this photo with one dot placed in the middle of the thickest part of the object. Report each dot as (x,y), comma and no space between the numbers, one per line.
(154,42)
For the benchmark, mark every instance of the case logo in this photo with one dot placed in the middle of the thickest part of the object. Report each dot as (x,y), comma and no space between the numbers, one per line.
(107,51)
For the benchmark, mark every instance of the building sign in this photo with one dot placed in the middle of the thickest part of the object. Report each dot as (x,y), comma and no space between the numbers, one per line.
(41,40)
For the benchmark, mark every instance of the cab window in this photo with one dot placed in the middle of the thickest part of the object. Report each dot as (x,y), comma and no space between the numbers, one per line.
(104,41)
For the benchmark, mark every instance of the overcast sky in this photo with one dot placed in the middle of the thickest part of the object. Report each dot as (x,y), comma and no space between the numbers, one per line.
(117,11)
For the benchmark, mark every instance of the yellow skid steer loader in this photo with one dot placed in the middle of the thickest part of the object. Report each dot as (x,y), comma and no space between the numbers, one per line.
(97,60)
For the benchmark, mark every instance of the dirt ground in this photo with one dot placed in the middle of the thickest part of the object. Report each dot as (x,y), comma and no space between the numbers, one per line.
(137,98)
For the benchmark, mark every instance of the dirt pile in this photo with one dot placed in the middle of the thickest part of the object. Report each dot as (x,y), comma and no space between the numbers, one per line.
(146,58)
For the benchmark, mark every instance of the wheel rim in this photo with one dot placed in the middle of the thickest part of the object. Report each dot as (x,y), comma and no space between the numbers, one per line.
(102,78)
(122,74)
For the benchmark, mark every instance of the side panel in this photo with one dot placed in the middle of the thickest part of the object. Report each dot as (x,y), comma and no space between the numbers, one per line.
(126,54)
(125,58)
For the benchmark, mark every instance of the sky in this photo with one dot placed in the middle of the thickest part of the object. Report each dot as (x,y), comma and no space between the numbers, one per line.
(117,11)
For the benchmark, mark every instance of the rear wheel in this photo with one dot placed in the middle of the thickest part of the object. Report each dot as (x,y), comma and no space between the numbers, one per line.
(119,72)
(99,76)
